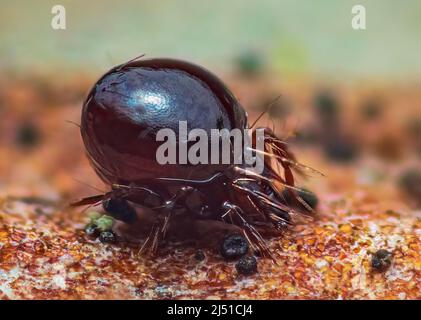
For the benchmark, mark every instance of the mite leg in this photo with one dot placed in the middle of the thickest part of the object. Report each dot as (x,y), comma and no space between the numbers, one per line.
(121,206)
(276,151)
(159,228)
(120,209)
(266,204)
(116,202)
(163,216)
(238,218)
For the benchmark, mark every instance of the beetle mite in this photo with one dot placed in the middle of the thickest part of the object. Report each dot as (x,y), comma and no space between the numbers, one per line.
(120,119)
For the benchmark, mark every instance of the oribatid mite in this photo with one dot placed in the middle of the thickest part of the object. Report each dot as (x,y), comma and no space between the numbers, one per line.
(120,120)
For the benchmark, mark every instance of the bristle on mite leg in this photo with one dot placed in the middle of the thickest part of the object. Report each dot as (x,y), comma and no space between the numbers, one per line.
(158,230)
(252,235)
(276,151)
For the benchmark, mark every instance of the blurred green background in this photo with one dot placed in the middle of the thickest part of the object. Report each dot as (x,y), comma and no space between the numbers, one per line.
(294,37)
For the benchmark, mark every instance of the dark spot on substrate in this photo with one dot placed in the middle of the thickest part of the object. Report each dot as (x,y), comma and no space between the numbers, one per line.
(27,135)
(234,246)
(381,260)
(341,150)
(247,265)
(108,237)
(249,63)
(371,109)
(120,209)
(413,128)
(410,182)
(199,255)
(92,230)
(327,107)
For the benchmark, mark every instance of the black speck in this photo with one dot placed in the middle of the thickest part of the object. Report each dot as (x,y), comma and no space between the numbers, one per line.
(371,110)
(381,260)
(327,106)
(247,265)
(410,182)
(120,209)
(413,128)
(92,230)
(234,246)
(249,63)
(27,135)
(108,237)
(199,255)
(341,150)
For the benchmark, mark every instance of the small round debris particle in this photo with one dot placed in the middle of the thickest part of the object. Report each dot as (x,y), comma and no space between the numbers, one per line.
(249,63)
(327,107)
(371,110)
(247,265)
(234,246)
(381,260)
(108,237)
(92,230)
(120,209)
(27,135)
(341,150)
(199,255)
(410,182)
(413,127)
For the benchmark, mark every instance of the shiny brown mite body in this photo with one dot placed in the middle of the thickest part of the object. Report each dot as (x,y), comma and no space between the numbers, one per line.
(120,119)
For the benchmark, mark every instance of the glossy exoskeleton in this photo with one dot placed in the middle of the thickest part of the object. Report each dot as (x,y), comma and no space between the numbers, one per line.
(120,119)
